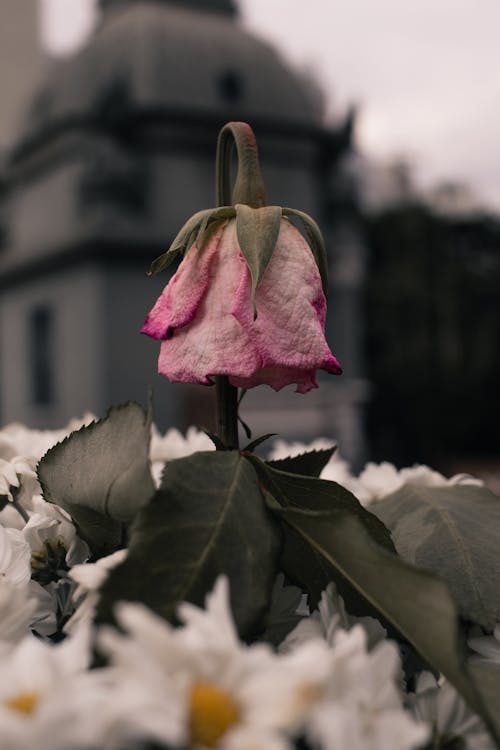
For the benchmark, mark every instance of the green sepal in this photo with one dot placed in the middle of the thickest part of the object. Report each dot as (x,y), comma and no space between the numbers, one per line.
(257,230)
(315,240)
(196,229)
(163,261)
(258,441)
(180,242)
(219,445)
(208,517)
(246,428)
(417,603)
(101,475)
(211,222)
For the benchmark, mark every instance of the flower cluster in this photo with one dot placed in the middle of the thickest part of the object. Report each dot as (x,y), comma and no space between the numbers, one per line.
(333,681)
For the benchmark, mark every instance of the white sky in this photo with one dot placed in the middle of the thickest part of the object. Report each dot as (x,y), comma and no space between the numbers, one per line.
(425,73)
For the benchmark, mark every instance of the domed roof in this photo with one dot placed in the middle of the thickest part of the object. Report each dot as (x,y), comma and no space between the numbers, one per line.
(170,55)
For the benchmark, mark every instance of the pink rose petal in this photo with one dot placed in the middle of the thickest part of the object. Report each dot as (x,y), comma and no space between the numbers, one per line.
(205,317)
(214,343)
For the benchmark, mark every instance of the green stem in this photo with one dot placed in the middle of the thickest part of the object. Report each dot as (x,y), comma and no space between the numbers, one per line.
(249,189)
(227,412)
(249,185)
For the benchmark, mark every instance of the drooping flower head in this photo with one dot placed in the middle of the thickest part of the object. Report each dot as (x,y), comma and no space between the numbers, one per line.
(205,315)
(248,299)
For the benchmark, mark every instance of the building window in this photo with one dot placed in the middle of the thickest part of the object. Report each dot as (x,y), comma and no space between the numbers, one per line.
(41,348)
(231,87)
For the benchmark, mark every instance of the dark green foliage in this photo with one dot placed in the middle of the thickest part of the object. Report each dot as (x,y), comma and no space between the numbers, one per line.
(207,518)
(417,603)
(452,531)
(100,475)
(300,561)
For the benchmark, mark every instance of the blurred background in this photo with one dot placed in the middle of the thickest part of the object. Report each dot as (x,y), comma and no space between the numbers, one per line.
(380,120)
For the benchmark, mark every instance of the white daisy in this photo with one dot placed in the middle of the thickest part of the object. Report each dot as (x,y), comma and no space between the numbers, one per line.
(205,687)
(89,578)
(55,546)
(379,480)
(199,685)
(16,612)
(441,706)
(47,701)
(18,440)
(360,706)
(487,647)
(15,570)
(331,616)
(15,557)
(44,621)
(18,477)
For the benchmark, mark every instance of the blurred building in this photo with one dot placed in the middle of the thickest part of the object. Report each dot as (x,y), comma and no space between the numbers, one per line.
(21,63)
(115,152)
(432,332)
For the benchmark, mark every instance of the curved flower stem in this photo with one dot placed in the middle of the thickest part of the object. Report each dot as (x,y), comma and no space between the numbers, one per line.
(249,189)
(249,185)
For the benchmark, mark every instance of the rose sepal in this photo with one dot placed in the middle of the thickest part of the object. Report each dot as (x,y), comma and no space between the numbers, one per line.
(198,228)
(257,230)
(314,240)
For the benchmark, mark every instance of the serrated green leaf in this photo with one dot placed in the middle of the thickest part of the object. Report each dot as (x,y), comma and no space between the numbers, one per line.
(257,231)
(101,476)
(301,563)
(310,493)
(452,531)
(417,603)
(310,463)
(315,240)
(208,518)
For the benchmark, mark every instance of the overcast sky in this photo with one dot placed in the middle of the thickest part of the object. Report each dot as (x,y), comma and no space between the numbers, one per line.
(425,74)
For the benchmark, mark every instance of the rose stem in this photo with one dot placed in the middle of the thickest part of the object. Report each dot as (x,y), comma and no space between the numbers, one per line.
(249,189)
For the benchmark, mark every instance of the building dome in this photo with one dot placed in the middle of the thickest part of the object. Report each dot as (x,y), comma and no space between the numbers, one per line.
(170,56)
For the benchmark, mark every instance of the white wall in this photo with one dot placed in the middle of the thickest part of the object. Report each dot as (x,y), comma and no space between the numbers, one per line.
(75,298)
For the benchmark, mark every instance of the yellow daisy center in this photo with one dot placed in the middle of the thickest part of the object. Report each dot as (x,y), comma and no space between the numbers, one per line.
(24,703)
(211,713)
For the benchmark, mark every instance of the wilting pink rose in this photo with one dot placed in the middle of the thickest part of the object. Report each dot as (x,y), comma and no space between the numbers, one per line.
(204,316)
